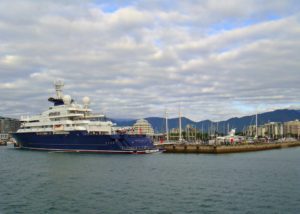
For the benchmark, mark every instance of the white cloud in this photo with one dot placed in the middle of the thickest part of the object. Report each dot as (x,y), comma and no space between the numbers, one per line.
(138,58)
(10,59)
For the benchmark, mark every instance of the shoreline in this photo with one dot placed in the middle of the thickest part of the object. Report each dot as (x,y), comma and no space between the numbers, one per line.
(222,149)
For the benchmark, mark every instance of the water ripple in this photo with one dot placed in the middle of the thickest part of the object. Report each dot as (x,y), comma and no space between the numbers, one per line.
(41,182)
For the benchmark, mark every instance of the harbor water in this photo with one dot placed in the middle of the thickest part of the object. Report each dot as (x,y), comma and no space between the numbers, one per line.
(49,182)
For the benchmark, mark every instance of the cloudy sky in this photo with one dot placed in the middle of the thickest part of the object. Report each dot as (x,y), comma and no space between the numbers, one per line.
(135,59)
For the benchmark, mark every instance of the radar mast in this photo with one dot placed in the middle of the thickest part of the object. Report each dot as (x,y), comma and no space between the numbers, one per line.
(59,84)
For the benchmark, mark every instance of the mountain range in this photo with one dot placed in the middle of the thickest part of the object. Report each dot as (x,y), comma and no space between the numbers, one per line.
(239,123)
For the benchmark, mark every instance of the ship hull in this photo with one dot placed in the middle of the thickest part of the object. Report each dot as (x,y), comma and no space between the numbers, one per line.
(81,141)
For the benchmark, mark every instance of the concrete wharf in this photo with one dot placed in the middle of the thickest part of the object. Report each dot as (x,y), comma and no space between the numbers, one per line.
(221,149)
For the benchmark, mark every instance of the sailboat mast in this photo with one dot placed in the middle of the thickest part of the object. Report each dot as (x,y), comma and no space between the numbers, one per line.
(228,128)
(180,137)
(167,127)
(256,131)
(202,132)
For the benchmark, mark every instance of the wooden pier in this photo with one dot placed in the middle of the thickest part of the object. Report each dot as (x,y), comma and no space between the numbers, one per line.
(221,149)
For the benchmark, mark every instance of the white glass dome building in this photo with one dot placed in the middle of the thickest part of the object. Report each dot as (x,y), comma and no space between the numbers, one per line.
(142,126)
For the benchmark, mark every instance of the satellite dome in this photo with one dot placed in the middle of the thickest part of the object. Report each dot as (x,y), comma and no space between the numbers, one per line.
(67,99)
(86,100)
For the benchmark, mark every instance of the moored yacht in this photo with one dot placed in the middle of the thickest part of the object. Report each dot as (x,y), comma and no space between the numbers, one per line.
(70,127)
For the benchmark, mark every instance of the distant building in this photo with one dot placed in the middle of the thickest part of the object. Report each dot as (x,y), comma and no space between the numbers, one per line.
(174,134)
(292,128)
(251,131)
(142,126)
(273,130)
(8,125)
(190,132)
(174,131)
(4,137)
(261,131)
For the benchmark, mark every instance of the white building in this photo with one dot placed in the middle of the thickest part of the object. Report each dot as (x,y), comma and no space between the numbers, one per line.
(142,126)
(292,128)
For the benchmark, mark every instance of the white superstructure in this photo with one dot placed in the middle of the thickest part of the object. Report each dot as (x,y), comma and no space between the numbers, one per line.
(66,116)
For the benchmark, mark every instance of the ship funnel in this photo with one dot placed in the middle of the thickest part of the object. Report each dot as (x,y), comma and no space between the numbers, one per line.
(59,84)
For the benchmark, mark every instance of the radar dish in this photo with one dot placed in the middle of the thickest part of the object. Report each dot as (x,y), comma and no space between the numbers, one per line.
(67,99)
(59,82)
(86,100)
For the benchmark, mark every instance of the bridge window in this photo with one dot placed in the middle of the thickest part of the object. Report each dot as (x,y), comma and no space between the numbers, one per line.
(54,114)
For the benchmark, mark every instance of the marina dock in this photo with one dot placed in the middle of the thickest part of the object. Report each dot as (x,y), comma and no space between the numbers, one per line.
(222,149)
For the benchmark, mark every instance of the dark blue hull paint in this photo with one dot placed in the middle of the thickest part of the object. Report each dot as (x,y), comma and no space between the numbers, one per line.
(81,141)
